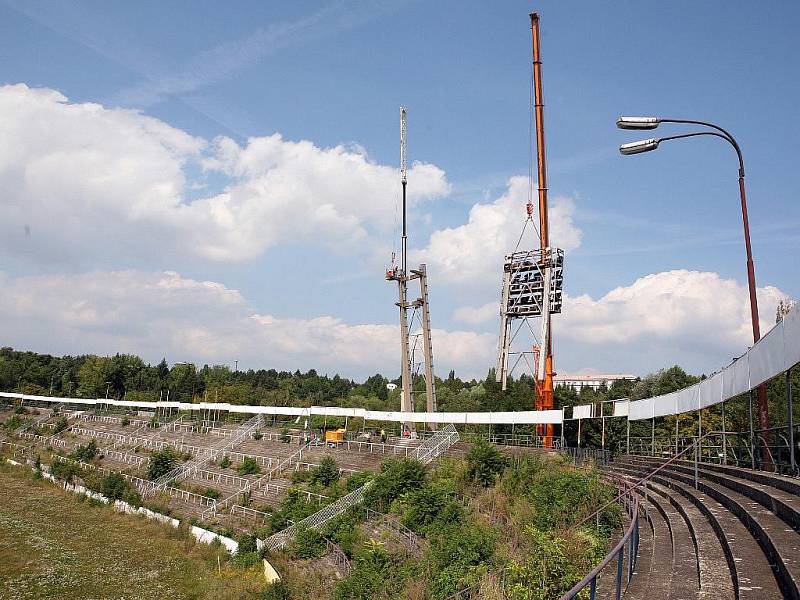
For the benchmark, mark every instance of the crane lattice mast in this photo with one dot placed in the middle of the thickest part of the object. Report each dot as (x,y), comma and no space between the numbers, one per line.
(419,306)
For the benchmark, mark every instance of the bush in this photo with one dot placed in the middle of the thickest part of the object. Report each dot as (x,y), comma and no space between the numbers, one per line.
(530,581)
(125,421)
(428,505)
(285,438)
(458,555)
(65,470)
(276,591)
(86,452)
(373,572)
(326,473)
(396,478)
(115,487)
(247,543)
(561,497)
(293,507)
(249,466)
(153,422)
(484,463)
(300,476)
(356,480)
(225,462)
(257,435)
(60,425)
(211,493)
(307,543)
(244,560)
(344,531)
(161,463)
(14,422)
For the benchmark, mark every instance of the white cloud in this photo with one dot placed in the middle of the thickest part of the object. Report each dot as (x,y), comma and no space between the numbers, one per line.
(474,251)
(696,319)
(158,314)
(85,179)
(665,318)
(478,315)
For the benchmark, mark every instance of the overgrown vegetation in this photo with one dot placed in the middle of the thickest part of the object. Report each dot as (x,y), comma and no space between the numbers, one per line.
(161,463)
(248,466)
(60,425)
(85,452)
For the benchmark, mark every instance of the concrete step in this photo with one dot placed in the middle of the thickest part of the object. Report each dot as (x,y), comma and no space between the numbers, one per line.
(712,561)
(781,501)
(780,543)
(754,572)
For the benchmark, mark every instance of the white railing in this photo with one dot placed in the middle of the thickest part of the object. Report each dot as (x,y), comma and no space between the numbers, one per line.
(246,511)
(122,456)
(181,471)
(44,440)
(214,476)
(307,466)
(263,480)
(188,496)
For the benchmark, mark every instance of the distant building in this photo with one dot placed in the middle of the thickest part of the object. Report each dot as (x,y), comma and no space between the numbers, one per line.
(578,382)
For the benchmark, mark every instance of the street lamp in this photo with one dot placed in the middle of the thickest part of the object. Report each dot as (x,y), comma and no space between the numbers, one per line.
(647,123)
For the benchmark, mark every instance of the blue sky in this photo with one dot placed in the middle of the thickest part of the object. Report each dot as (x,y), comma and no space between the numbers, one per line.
(334,73)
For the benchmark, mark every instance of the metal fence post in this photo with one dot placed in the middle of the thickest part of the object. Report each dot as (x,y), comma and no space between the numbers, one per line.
(677,421)
(752,439)
(620,558)
(700,432)
(628,436)
(593,589)
(724,439)
(790,421)
(653,438)
(696,447)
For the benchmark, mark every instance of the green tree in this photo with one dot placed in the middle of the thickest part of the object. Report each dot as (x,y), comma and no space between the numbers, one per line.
(484,463)
(326,473)
(396,478)
(92,376)
(161,463)
(86,452)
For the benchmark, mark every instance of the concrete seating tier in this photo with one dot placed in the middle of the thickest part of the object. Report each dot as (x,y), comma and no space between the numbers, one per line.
(742,531)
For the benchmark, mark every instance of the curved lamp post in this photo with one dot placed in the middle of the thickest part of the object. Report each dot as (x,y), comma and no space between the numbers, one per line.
(648,123)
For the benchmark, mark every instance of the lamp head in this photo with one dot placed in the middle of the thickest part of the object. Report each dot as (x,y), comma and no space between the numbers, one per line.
(639,147)
(638,122)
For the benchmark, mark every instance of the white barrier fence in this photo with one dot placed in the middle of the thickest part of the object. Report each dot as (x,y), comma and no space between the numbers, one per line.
(773,354)
(525,417)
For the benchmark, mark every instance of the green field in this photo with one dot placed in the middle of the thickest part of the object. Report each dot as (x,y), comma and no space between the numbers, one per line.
(53,545)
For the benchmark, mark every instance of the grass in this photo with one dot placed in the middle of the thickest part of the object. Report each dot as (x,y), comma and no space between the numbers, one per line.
(55,545)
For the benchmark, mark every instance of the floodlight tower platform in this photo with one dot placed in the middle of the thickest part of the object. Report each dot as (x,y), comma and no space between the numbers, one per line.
(532,288)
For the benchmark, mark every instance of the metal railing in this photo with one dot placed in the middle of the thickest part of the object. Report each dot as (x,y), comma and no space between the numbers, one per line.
(395,527)
(627,545)
(581,456)
(734,448)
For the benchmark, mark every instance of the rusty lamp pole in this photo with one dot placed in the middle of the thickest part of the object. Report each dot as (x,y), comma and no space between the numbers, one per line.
(646,123)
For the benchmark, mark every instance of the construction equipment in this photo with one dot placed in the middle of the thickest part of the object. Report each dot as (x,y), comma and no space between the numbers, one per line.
(533,279)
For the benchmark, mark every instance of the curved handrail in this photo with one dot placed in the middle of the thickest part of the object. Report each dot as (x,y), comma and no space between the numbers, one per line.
(630,532)
(647,477)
